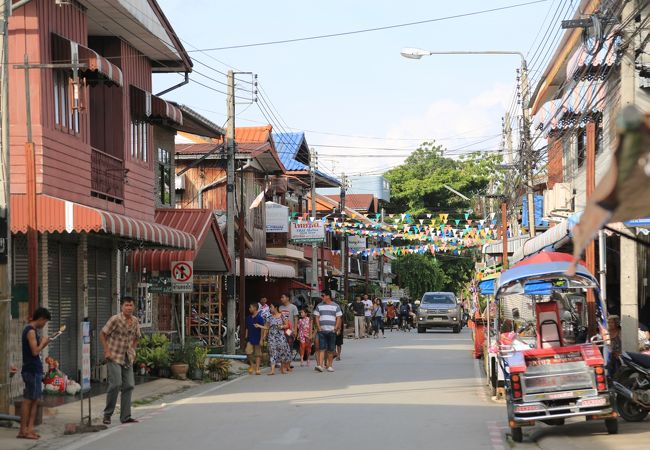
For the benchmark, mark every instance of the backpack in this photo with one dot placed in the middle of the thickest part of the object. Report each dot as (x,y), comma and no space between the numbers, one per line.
(404,308)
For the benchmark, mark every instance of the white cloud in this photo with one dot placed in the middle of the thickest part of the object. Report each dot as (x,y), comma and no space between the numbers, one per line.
(452,123)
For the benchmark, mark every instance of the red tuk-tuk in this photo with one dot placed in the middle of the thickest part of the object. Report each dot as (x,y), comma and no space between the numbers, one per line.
(553,369)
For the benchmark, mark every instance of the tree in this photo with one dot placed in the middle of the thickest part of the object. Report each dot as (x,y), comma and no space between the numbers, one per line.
(420,273)
(417,186)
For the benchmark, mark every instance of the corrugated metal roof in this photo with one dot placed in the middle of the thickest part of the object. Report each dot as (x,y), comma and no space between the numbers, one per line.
(196,222)
(358,202)
(288,146)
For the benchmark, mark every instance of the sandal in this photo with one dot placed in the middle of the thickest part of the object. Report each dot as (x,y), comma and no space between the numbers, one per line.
(32,436)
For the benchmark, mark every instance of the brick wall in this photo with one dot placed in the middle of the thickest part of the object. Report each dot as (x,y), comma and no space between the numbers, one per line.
(555,162)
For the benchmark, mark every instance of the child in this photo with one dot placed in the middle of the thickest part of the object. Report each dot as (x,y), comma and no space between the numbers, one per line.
(254,326)
(32,372)
(304,336)
(615,346)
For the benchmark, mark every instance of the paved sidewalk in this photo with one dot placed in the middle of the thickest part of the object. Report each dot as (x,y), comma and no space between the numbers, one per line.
(55,419)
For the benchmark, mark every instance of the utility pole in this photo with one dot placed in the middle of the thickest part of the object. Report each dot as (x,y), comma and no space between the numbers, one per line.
(344,239)
(526,147)
(381,256)
(5,233)
(629,254)
(242,257)
(313,166)
(507,129)
(504,232)
(230,214)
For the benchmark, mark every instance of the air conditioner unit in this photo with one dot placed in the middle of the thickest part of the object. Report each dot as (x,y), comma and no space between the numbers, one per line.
(549,202)
(179,182)
(563,197)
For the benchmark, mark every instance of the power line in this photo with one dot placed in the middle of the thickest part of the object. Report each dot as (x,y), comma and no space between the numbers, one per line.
(369,30)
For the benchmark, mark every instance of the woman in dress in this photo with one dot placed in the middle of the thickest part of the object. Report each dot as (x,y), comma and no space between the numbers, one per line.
(279,351)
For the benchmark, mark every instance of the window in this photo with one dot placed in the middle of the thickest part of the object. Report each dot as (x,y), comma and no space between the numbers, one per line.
(139,140)
(599,139)
(567,151)
(66,117)
(164,177)
(582,146)
(145,306)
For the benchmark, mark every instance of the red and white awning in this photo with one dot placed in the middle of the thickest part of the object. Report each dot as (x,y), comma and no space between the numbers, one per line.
(583,66)
(61,216)
(68,51)
(263,268)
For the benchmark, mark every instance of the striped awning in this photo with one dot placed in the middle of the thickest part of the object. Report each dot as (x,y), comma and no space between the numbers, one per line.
(146,106)
(547,118)
(263,268)
(583,66)
(61,216)
(65,50)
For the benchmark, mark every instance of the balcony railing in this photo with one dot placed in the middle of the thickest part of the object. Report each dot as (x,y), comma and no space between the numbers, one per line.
(107,176)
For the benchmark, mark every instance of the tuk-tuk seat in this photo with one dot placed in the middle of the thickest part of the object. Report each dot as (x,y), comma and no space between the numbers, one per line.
(548,324)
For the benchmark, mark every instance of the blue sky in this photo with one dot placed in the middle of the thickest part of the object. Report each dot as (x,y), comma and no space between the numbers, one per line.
(360,85)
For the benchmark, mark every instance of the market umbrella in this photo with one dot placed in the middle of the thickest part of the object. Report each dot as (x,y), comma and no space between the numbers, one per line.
(624,192)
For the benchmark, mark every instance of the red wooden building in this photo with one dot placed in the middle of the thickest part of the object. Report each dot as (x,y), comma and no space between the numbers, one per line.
(104,150)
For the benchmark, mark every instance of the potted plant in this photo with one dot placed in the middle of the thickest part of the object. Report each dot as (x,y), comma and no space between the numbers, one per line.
(160,361)
(152,355)
(197,364)
(180,361)
(218,369)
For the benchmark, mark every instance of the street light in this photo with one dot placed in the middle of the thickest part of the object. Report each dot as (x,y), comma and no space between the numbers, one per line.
(418,53)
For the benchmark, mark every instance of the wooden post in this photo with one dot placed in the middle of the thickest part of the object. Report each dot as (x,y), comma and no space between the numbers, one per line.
(590,252)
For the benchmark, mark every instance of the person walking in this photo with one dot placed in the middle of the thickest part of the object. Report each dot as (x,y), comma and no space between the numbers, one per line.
(328,318)
(304,336)
(290,312)
(254,327)
(119,337)
(391,314)
(32,372)
(368,314)
(359,310)
(377,317)
(279,350)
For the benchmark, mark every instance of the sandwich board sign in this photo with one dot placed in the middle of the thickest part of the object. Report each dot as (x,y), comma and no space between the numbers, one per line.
(182,276)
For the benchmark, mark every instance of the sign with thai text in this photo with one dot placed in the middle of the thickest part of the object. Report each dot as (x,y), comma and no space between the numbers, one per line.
(308,232)
(277,218)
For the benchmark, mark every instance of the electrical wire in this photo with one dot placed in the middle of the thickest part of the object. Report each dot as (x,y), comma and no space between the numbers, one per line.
(369,30)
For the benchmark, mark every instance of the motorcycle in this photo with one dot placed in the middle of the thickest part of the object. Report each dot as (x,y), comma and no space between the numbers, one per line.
(632,386)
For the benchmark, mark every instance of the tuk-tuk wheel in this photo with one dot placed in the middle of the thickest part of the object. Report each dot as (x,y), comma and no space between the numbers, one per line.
(517,434)
(612,426)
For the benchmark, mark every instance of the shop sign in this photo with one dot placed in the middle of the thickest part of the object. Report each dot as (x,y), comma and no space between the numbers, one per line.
(307,232)
(277,218)
(356,243)
(160,285)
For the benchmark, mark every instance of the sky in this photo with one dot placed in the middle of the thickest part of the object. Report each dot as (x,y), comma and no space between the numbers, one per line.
(342,90)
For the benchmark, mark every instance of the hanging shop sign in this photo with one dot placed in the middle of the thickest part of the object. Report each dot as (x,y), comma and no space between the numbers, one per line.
(356,243)
(307,232)
(277,218)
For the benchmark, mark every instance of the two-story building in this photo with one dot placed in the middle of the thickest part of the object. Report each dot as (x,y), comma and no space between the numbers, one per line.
(582,90)
(83,164)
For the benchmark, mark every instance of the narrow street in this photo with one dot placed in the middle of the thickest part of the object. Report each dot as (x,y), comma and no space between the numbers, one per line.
(404,391)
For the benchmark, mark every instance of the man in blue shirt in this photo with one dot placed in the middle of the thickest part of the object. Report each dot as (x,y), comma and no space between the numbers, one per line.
(254,326)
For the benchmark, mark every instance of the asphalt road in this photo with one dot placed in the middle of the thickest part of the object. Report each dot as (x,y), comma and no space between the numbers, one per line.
(407,391)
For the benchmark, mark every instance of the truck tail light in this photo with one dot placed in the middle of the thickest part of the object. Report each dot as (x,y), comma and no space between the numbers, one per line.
(516,386)
(601,381)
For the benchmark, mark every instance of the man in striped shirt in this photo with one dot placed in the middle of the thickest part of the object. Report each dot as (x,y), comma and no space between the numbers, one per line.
(328,319)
